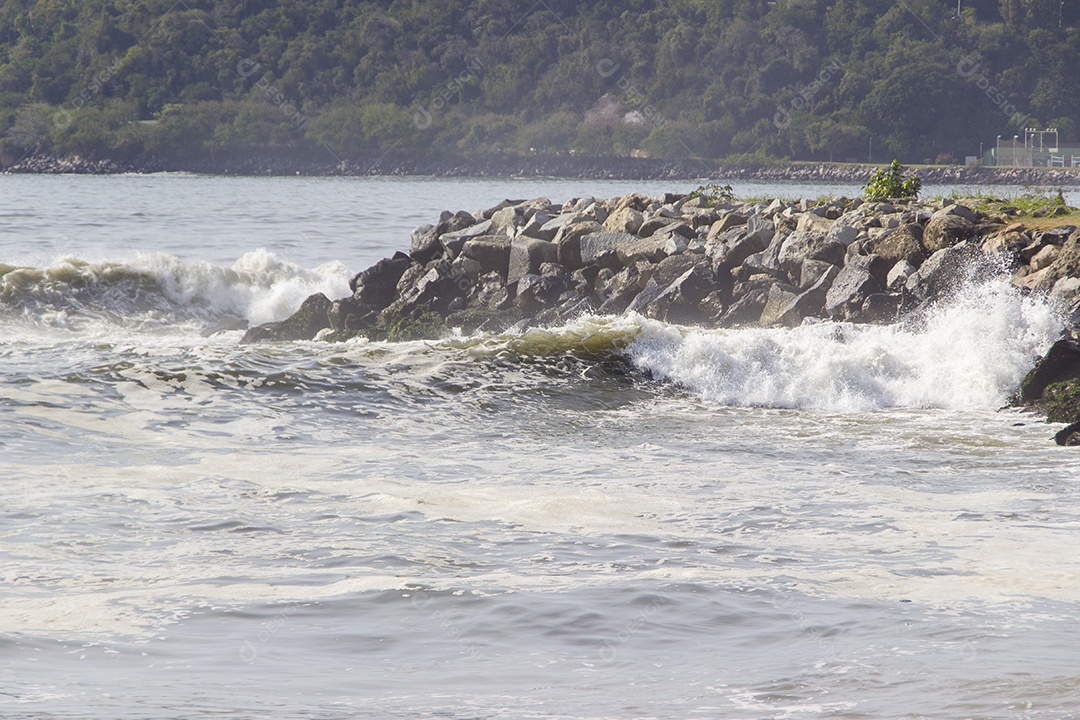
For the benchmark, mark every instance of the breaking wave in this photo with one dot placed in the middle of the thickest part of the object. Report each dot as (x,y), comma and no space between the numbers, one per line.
(162,289)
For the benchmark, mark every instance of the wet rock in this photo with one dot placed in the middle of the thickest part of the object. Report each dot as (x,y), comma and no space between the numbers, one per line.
(1068,436)
(779,306)
(534,292)
(304,324)
(942,273)
(377,286)
(1061,364)
(746,310)
(882,307)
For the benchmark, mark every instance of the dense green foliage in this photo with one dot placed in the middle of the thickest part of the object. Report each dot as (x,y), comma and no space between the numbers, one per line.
(751,79)
(886,184)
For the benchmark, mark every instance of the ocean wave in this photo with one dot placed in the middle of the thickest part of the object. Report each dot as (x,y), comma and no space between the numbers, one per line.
(970,352)
(162,289)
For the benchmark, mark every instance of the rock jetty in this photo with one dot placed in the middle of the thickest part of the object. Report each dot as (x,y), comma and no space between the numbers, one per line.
(562,166)
(688,259)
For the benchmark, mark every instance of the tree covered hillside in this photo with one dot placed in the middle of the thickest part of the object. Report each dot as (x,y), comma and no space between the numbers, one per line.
(338,79)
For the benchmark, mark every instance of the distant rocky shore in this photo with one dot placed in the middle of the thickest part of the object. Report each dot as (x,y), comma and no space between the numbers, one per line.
(563,166)
(692,259)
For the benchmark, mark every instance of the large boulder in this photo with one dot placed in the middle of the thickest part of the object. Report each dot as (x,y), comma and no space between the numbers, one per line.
(527,254)
(1066,264)
(653,249)
(946,231)
(491,251)
(767,261)
(943,273)
(853,284)
(377,286)
(680,301)
(452,241)
(304,324)
(624,220)
(804,245)
(786,305)
(568,242)
(903,243)
(598,245)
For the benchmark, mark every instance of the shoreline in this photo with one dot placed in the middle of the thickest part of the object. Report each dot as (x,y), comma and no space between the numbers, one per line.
(565,167)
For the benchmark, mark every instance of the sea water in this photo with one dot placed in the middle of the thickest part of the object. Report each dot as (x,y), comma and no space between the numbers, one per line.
(617,518)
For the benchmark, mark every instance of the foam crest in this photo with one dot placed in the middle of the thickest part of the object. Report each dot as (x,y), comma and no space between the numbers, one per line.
(969,353)
(160,288)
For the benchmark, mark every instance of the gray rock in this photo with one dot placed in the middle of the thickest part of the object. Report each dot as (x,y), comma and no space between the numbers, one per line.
(942,273)
(812,270)
(767,261)
(899,274)
(492,252)
(452,242)
(507,220)
(624,220)
(641,300)
(617,290)
(424,243)
(956,210)
(534,292)
(746,310)
(946,231)
(779,306)
(851,287)
(651,249)
(535,225)
(568,241)
(846,229)
(526,256)
(882,307)
(377,286)
(903,243)
(596,245)
(807,245)
(670,268)
(680,301)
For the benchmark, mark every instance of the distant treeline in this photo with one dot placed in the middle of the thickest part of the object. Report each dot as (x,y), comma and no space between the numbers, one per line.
(841,80)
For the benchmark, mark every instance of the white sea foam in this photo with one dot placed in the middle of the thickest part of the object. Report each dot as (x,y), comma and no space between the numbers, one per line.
(259,287)
(969,353)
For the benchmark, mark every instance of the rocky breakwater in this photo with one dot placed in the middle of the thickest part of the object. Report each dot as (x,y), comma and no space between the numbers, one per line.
(685,259)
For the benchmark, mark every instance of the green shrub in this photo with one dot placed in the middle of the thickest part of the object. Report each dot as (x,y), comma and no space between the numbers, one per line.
(888,184)
(711,194)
